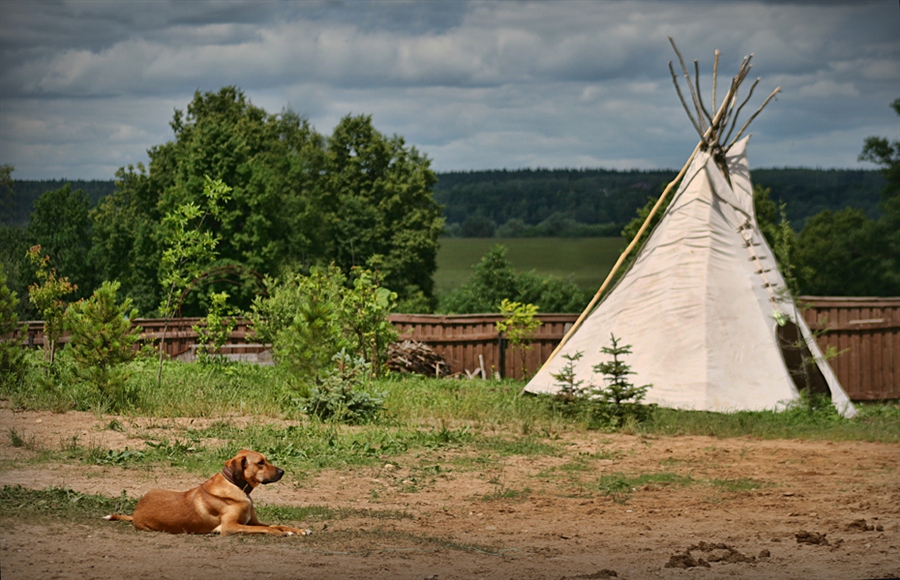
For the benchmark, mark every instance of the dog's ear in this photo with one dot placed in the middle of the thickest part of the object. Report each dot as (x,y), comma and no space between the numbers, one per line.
(237,464)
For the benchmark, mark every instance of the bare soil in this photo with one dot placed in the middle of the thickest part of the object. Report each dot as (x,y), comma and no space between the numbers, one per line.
(821,510)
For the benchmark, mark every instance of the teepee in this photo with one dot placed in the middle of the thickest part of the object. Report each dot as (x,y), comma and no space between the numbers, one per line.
(703,306)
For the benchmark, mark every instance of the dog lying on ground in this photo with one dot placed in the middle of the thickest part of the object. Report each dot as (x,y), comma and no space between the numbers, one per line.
(221,504)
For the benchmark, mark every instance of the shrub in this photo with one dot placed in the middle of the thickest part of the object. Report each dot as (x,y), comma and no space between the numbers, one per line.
(341,394)
(310,319)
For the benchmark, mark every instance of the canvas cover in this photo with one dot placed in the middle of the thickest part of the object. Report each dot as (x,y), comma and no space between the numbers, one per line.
(702,306)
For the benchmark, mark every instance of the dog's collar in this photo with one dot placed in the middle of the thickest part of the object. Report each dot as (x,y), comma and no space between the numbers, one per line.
(229,475)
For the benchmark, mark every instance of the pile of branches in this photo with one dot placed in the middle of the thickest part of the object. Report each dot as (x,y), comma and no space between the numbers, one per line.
(411,356)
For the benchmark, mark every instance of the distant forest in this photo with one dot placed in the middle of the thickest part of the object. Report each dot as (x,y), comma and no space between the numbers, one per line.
(562,202)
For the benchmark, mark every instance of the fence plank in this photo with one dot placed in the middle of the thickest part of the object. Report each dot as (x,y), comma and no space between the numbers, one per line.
(864,331)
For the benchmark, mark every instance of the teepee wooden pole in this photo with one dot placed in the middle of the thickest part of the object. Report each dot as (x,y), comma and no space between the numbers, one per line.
(622,257)
(710,132)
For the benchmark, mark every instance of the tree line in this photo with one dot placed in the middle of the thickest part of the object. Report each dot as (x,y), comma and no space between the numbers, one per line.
(599,202)
(298,199)
(357,198)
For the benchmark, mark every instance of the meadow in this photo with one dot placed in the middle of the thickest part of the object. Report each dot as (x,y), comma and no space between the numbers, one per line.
(584,261)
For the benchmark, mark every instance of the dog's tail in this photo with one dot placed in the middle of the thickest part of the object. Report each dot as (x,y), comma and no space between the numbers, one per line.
(117,518)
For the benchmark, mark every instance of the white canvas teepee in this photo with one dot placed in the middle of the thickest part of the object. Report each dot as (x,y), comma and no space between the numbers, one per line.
(703,306)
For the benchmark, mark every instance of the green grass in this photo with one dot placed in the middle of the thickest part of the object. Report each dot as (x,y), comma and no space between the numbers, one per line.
(60,503)
(586,261)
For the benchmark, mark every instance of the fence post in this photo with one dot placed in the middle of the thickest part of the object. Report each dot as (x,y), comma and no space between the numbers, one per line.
(501,356)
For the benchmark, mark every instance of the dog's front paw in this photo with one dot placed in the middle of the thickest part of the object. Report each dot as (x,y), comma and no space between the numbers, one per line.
(306,532)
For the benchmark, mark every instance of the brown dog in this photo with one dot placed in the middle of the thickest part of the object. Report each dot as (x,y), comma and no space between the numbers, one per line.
(221,504)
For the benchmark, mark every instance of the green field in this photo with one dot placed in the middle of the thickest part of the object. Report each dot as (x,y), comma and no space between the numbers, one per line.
(586,261)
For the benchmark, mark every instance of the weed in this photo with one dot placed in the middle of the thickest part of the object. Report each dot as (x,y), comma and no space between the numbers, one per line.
(17,439)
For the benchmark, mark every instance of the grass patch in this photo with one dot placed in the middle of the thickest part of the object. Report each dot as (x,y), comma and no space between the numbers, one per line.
(739,485)
(619,486)
(875,422)
(60,503)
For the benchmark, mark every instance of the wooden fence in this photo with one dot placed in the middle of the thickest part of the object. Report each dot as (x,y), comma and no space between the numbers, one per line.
(864,331)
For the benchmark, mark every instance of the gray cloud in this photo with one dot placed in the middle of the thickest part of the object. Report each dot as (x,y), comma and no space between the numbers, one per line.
(88,86)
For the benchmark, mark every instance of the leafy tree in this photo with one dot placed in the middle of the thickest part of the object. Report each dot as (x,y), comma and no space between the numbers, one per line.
(844,253)
(61,225)
(214,328)
(298,200)
(887,230)
(840,255)
(125,245)
(299,315)
(16,266)
(519,324)
(189,250)
(381,204)
(7,189)
(47,297)
(101,340)
(309,319)
(781,237)
(364,311)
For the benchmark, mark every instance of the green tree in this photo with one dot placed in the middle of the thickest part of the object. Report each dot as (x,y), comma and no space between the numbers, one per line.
(215,328)
(623,397)
(519,324)
(61,225)
(380,203)
(298,200)
(125,245)
(101,340)
(886,153)
(189,250)
(839,255)
(309,319)
(781,237)
(47,297)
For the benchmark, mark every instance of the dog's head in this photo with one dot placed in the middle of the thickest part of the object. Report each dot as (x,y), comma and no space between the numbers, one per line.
(253,468)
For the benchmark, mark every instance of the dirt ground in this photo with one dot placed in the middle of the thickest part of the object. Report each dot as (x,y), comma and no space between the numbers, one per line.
(822,510)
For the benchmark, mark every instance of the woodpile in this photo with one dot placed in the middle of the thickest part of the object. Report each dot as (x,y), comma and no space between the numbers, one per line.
(411,356)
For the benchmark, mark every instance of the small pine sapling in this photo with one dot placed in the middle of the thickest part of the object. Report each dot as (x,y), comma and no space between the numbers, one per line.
(619,393)
(570,387)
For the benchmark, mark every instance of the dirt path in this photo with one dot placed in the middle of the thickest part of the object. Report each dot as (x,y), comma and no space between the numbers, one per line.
(710,508)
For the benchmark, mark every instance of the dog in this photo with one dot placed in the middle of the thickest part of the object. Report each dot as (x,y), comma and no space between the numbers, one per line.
(221,504)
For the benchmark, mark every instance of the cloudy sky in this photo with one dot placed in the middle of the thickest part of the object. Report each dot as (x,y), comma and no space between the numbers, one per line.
(87,86)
